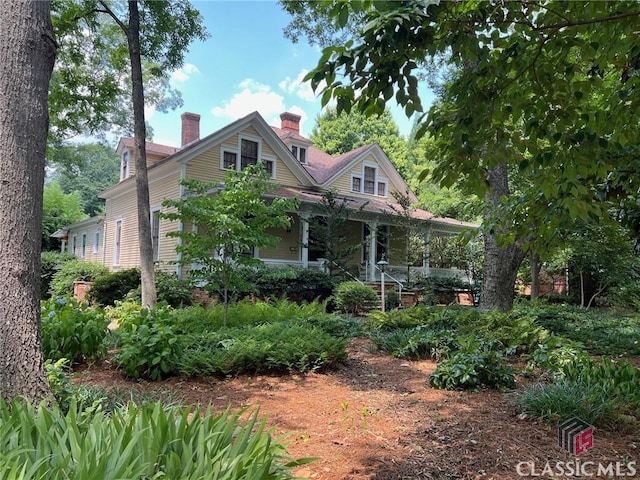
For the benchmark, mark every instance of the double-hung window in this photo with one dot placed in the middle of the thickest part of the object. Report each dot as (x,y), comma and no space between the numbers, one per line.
(369,180)
(96,242)
(116,243)
(155,234)
(248,153)
(124,166)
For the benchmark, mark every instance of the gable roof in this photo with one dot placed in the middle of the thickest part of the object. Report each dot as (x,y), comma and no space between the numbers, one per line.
(151,147)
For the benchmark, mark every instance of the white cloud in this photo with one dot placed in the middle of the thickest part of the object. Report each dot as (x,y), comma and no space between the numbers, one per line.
(183,74)
(253,96)
(299,88)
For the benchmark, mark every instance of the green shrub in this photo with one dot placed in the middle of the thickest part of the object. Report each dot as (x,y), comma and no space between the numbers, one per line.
(269,348)
(474,365)
(59,383)
(334,325)
(150,347)
(435,290)
(169,289)
(602,392)
(108,288)
(72,330)
(74,271)
(355,297)
(136,442)
(415,343)
(296,284)
(52,262)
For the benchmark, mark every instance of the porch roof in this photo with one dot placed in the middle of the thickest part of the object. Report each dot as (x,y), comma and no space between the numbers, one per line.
(370,207)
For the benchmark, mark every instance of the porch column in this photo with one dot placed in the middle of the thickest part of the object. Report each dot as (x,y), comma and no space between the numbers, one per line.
(304,250)
(425,255)
(373,241)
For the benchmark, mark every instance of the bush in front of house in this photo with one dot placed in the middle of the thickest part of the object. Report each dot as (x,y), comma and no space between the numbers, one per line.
(72,330)
(113,286)
(150,346)
(296,284)
(75,271)
(355,297)
(437,290)
(51,263)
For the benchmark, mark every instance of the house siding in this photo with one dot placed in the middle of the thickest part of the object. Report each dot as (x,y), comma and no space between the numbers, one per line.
(159,191)
(124,207)
(288,247)
(90,231)
(207,166)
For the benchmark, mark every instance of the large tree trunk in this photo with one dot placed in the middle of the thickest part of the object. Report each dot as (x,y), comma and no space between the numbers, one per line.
(501,264)
(147,273)
(27,53)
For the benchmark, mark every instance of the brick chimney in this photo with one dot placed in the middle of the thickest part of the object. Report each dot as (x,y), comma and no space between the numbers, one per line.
(290,122)
(190,127)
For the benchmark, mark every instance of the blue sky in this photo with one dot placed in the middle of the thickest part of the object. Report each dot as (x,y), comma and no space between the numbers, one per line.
(245,65)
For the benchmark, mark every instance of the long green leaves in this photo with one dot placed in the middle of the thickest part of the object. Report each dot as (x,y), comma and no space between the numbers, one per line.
(135,442)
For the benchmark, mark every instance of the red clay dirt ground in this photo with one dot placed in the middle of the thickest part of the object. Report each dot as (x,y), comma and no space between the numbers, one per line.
(377,418)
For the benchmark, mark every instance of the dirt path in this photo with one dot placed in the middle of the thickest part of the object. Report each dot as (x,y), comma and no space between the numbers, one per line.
(377,418)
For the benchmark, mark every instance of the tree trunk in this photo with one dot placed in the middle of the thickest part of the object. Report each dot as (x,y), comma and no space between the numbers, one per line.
(27,53)
(501,264)
(145,241)
(535,275)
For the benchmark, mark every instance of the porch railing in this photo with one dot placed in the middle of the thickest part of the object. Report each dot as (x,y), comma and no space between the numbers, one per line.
(393,279)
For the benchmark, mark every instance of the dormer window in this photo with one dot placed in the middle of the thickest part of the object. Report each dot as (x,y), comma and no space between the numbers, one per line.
(300,153)
(124,167)
(369,181)
(248,153)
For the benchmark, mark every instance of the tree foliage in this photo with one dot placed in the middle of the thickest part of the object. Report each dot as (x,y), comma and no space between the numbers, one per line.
(230,220)
(328,232)
(546,89)
(340,133)
(90,91)
(601,256)
(85,169)
(59,209)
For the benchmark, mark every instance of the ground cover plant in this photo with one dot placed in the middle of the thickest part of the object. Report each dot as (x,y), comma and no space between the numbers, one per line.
(600,331)
(477,349)
(259,337)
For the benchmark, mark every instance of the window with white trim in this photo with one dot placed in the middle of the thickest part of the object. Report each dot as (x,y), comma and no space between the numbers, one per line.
(124,165)
(369,182)
(249,154)
(96,242)
(356,183)
(74,245)
(83,252)
(116,242)
(155,233)
(300,153)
